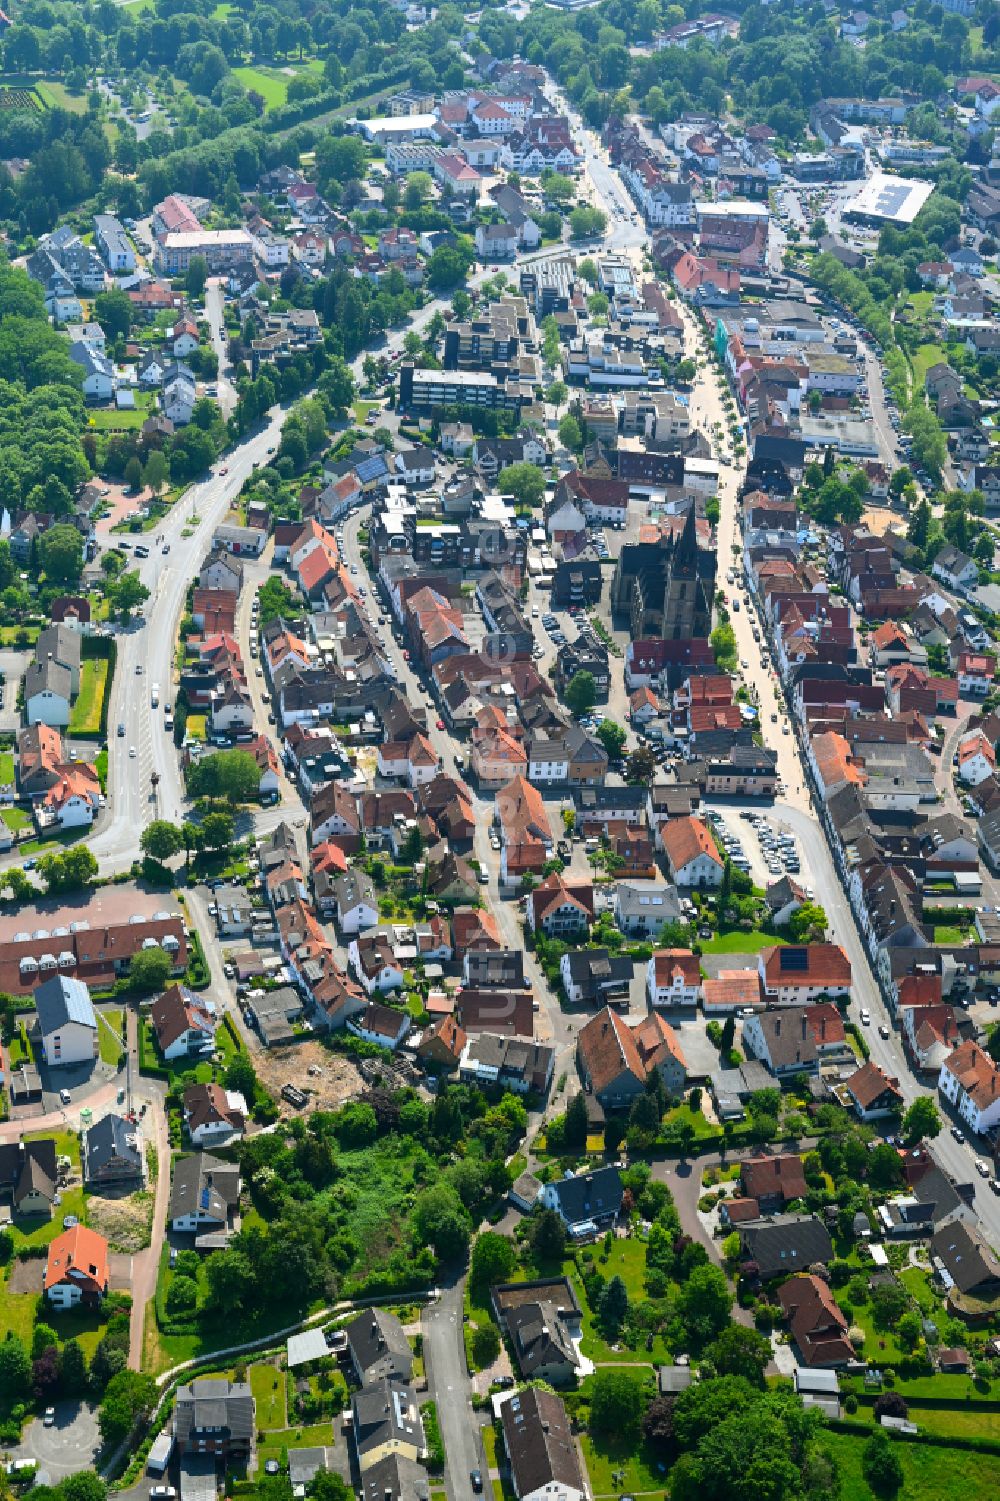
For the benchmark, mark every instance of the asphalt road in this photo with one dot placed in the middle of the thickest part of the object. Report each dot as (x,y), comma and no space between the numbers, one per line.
(448,1379)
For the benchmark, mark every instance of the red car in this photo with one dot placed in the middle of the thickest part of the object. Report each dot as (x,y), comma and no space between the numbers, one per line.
(439,723)
(406,656)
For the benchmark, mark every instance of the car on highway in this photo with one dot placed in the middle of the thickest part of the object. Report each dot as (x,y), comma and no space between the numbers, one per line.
(121,732)
(138,669)
(131,752)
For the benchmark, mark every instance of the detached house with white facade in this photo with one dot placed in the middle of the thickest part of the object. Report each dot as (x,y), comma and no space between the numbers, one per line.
(970,1081)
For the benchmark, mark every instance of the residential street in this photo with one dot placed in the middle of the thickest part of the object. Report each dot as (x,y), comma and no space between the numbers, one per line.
(442,1323)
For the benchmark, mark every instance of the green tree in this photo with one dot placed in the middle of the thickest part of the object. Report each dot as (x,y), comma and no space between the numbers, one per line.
(446,268)
(922,1121)
(60,553)
(612,736)
(72,1368)
(739,1351)
(525,482)
(230,775)
(612,1307)
(617,1401)
(547,1235)
(587,271)
(133,473)
(704,1302)
(161,839)
(113,311)
(70,870)
(581,693)
(575,1131)
(217,830)
(441,1221)
(485,1344)
(570,433)
(807,921)
(128,593)
(881,1465)
(15,1366)
(182,1296)
(493,1261)
(723,644)
(156,470)
(129,1395)
(149,971)
(241,1076)
(197,276)
(85,1485)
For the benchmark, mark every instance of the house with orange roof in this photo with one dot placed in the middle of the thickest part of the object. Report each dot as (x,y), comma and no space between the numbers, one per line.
(930,1033)
(731,992)
(833,763)
(266,757)
(525,833)
(40,758)
(795,974)
(872,1094)
(691,852)
(970,1081)
(214,611)
(614,1059)
(560,908)
(498,754)
(673,978)
(76,1269)
(474,930)
(317,570)
(73,799)
(892,643)
(976,759)
(327,862)
(643,705)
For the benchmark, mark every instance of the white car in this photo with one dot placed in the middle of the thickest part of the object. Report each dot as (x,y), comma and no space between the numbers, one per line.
(866,1018)
(131,752)
(982,1168)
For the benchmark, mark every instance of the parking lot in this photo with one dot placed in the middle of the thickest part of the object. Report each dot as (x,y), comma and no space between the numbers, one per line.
(757,845)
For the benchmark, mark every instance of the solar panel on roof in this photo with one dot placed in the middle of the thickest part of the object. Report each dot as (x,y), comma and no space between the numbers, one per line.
(796,960)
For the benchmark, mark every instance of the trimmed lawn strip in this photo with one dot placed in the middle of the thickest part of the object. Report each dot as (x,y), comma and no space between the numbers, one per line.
(268,1386)
(109,1036)
(740,943)
(85,715)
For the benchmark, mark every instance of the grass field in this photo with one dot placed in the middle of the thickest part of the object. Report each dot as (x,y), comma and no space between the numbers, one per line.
(946,933)
(926,356)
(739,943)
(268,1386)
(85,715)
(109,1036)
(313,1436)
(6,766)
(929,1473)
(16,818)
(270,84)
(57,96)
(614,1470)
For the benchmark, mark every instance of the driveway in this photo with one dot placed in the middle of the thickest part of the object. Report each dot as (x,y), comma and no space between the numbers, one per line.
(71,1444)
(13,665)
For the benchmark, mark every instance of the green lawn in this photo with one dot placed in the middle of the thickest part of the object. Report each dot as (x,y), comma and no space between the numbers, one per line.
(16,818)
(85,716)
(684,1114)
(109,1036)
(929,1473)
(110,419)
(293,1438)
(627,1260)
(921,302)
(606,1461)
(57,96)
(39,1232)
(739,942)
(926,356)
(270,84)
(268,1386)
(17,1311)
(946,933)
(6,766)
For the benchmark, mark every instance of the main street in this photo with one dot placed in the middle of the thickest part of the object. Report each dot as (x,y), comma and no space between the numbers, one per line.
(794,810)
